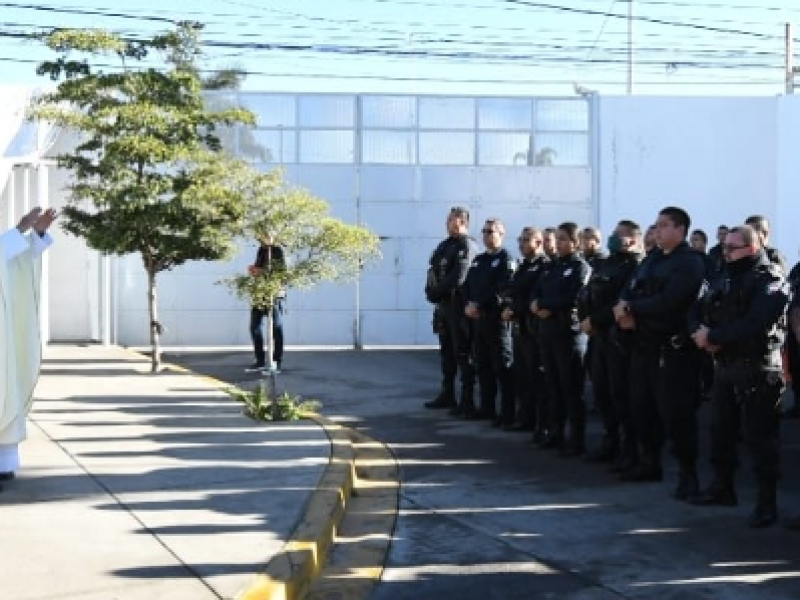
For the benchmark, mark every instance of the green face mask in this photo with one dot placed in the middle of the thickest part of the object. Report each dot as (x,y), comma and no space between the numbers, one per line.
(614,243)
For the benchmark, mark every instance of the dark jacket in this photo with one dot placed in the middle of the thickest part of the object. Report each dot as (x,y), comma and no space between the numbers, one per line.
(662,290)
(604,289)
(745,311)
(558,289)
(488,278)
(521,286)
(448,268)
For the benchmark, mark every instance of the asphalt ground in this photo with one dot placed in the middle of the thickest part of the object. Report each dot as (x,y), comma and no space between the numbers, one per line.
(485,515)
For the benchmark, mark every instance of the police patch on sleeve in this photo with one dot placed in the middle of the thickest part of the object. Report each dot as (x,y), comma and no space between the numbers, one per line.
(495,262)
(776,287)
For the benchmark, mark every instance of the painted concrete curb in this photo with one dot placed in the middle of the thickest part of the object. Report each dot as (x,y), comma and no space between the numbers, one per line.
(292,571)
(290,574)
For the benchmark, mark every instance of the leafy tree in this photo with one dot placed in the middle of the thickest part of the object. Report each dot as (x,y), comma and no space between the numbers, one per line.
(319,247)
(148,173)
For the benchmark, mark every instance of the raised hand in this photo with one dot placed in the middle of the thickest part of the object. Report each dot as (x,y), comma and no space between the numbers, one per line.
(44,221)
(29,220)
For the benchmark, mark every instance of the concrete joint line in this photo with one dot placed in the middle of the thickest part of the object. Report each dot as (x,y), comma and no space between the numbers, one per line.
(298,571)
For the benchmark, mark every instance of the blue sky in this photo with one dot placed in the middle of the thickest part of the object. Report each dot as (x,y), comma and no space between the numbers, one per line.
(498,47)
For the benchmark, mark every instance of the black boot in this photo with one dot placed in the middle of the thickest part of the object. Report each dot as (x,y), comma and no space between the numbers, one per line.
(766,511)
(466,406)
(720,492)
(688,487)
(445,399)
(646,470)
(576,442)
(551,440)
(607,452)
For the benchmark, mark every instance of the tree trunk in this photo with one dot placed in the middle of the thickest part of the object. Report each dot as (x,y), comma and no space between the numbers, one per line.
(155,326)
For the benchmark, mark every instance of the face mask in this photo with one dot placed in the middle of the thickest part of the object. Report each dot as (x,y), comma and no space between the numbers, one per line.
(614,243)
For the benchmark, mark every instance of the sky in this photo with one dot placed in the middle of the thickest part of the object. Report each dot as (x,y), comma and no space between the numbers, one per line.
(485,47)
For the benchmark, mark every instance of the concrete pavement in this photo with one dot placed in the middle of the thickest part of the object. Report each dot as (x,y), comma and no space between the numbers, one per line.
(146,487)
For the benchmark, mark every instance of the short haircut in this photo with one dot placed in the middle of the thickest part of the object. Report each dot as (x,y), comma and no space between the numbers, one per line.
(759,223)
(547,230)
(702,234)
(571,229)
(461,213)
(497,223)
(678,216)
(631,227)
(725,227)
(749,235)
(592,232)
(532,231)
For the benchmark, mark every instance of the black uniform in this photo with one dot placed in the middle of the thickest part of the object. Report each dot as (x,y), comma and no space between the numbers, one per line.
(792,343)
(595,261)
(448,268)
(610,362)
(664,366)
(745,313)
(776,256)
(717,257)
(557,291)
(487,279)
(528,371)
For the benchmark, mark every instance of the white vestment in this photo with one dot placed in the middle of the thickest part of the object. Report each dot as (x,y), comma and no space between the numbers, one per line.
(20,339)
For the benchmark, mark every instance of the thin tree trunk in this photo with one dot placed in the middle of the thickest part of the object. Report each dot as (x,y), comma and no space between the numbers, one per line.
(155,326)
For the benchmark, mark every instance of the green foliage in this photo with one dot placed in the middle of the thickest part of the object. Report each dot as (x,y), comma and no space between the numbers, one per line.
(258,407)
(318,246)
(147,173)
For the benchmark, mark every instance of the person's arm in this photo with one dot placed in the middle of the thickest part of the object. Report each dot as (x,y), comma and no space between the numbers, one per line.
(684,282)
(565,300)
(13,243)
(767,304)
(458,275)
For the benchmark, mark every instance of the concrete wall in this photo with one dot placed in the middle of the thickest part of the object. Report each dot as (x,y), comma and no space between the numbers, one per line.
(722,159)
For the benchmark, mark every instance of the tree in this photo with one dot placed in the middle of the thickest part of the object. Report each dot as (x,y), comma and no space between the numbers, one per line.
(148,173)
(318,247)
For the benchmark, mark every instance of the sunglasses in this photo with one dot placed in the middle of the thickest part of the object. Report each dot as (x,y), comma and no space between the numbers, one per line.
(489,231)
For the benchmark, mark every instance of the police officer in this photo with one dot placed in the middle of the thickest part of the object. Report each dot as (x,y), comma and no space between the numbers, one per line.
(554,302)
(741,320)
(528,373)
(610,361)
(448,268)
(488,277)
(793,342)
(664,375)
(760,225)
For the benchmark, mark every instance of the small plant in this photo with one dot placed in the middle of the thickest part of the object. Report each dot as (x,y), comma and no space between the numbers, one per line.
(257,406)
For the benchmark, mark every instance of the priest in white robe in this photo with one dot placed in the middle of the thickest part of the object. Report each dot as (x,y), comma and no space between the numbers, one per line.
(20,339)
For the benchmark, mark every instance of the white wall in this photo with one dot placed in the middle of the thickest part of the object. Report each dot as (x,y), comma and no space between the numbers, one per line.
(722,159)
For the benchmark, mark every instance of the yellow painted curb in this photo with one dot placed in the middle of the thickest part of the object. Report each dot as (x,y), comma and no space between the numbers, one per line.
(289,575)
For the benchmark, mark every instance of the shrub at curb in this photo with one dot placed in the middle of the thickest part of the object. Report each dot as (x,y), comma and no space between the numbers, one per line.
(258,407)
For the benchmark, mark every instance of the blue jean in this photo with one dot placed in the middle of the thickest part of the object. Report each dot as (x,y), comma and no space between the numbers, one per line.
(257,332)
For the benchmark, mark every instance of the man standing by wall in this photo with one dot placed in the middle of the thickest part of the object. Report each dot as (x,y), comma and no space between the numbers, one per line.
(21,349)
(488,278)
(529,375)
(740,319)
(665,380)
(269,258)
(447,271)
(610,365)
